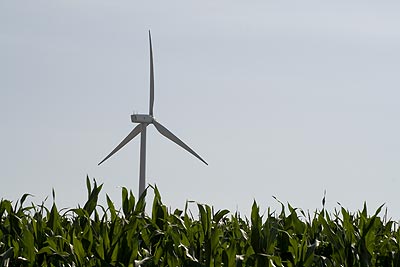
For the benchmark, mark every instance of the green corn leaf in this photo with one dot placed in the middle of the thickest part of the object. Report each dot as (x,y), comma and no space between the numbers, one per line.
(219,215)
(6,256)
(111,208)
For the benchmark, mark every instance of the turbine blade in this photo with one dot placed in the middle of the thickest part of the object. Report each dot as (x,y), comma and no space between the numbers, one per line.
(151,78)
(130,136)
(164,131)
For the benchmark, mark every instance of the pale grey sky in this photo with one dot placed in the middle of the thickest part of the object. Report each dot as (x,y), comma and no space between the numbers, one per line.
(281,98)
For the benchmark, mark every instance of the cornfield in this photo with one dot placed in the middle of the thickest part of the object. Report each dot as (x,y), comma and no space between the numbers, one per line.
(96,235)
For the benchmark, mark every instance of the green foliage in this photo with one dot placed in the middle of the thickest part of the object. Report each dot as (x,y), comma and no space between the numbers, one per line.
(33,235)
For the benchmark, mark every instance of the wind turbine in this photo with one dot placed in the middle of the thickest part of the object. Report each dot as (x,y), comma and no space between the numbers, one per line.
(144,120)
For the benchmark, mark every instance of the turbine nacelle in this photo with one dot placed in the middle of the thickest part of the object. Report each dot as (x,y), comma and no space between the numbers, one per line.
(142,118)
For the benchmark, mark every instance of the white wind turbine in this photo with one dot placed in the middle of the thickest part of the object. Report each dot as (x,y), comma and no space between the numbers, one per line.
(144,120)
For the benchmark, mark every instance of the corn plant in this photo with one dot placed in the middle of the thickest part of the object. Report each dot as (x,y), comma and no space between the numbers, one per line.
(96,235)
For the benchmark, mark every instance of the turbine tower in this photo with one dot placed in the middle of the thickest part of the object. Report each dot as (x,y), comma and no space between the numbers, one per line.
(144,120)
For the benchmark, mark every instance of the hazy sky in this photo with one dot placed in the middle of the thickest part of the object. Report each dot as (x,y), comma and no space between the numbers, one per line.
(281,98)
